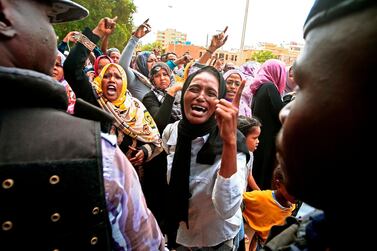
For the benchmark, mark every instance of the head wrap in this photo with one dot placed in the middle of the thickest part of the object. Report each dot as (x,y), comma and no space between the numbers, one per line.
(157,67)
(271,71)
(96,63)
(234,71)
(141,62)
(249,69)
(176,113)
(62,57)
(110,50)
(131,117)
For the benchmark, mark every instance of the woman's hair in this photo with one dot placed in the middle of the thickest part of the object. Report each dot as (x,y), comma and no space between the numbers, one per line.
(246,124)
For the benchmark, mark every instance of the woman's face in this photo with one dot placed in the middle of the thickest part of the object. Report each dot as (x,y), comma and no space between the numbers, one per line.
(152,60)
(233,82)
(58,72)
(112,83)
(115,56)
(101,63)
(161,79)
(201,97)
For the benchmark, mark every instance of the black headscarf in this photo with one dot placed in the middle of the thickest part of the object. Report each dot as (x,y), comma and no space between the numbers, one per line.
(180,173)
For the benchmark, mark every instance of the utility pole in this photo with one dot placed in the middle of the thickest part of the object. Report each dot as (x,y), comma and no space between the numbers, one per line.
(244,26)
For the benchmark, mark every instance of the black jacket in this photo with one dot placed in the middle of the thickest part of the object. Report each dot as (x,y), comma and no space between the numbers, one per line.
(52,190)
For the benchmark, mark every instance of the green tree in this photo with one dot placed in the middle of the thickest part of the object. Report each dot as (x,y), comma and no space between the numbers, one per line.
(98,9)
(262,56)
(151,46)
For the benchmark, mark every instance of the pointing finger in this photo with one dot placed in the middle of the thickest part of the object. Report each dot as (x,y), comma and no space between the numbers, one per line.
(237,97)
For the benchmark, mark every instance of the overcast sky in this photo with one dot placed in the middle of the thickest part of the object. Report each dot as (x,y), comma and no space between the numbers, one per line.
(268,20)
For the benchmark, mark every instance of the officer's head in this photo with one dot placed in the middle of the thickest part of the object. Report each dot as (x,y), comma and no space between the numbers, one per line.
(27,38)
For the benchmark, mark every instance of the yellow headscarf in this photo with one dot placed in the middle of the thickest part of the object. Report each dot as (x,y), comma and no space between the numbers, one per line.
(119,102)
(131,116)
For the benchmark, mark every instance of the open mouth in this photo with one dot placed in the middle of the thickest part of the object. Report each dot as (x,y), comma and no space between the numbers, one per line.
(111,90)
(199,109)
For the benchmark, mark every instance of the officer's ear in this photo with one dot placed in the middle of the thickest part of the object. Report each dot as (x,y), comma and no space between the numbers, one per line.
(6,28)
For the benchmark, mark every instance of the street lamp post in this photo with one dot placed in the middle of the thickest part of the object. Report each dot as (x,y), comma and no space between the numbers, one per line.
(244,25)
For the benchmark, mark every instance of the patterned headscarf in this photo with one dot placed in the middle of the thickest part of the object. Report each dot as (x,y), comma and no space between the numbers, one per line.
(271,71)
(131,117)
(249,69)
(160,94)
(96,63)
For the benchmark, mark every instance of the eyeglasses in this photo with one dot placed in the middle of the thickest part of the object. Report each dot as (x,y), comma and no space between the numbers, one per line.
(231,83)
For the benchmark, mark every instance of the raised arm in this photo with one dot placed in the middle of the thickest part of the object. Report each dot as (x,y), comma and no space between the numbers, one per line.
(216,42)
(227,193)
(73,66)
(226,116)
(141,31)
(105,39)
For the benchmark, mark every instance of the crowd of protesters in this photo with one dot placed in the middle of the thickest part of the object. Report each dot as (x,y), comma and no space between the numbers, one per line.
(113,149)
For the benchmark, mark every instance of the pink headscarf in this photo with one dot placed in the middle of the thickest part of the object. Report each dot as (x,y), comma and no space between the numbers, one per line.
(271,71)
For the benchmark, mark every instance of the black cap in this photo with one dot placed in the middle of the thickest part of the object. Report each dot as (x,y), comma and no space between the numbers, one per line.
(66,10)
(324,11)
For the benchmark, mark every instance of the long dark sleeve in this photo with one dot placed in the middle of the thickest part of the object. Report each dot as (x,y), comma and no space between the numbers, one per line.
(73,70)
(161,113)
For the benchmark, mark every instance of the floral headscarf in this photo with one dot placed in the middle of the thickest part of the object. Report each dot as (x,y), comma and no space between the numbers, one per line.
(160,94)
(131,117)
(249,69)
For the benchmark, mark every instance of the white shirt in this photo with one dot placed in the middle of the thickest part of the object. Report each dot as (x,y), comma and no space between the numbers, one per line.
(214,208)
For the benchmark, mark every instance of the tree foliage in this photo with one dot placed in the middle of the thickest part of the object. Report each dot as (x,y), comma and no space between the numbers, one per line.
(151,46)
(262,56)
(98,9)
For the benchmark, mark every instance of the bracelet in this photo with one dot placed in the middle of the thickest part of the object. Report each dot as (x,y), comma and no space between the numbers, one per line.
(86,42)
(210,52)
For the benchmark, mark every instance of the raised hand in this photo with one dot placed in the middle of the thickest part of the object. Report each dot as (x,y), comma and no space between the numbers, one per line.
(71,37)
(218,40)
(142,30)
(174,89)
(105,26)
(226,116)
